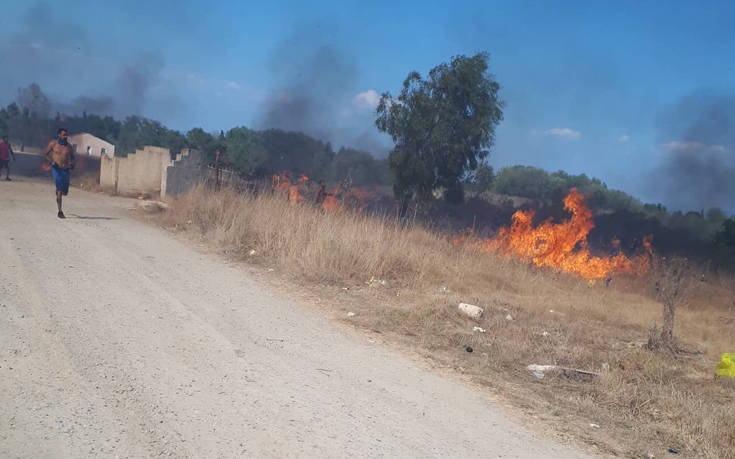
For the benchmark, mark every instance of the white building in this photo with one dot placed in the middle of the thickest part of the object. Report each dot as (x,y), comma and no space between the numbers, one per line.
(87,144)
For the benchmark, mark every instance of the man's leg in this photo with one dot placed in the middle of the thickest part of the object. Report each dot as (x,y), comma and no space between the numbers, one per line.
(58,204)
(61,180)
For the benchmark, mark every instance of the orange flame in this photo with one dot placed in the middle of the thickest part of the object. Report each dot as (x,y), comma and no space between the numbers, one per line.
(294,194)
(332,200)
(331,203)
(280,182)
(560,246)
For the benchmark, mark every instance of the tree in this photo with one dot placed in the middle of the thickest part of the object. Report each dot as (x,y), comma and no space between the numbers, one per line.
(203,141)
(527,182)
(671,287)
(482,179)
(726,236)
(296,152)
(442,127)
(716,216)
(245,151)
(360,166)
(484,176)
(725,243)
(4,121)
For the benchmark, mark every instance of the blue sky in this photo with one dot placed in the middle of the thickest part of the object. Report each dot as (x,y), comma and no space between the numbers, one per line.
(588,87)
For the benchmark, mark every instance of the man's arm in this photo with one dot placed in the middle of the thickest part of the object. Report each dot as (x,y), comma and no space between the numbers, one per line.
(12,153)
(49,148)
(73,159)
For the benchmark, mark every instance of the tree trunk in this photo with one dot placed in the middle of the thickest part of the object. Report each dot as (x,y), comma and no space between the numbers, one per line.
(404,209)
(216,170)
(667,333)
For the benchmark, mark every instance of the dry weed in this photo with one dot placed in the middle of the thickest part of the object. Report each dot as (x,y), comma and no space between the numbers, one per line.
(643,401)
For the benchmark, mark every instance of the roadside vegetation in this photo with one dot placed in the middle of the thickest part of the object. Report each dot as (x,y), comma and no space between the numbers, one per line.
(404,282)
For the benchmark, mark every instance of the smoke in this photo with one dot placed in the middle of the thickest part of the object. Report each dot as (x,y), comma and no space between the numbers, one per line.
(103,105)
(134,83)
(56,54)
(41,50)
(314,77)
(131,89)
(697,137)
(316,83)
(34,100)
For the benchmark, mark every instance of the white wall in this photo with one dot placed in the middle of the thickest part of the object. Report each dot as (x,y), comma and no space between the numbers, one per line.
(85,143)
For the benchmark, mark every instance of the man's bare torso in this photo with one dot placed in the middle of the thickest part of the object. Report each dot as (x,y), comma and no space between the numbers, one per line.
(61,155)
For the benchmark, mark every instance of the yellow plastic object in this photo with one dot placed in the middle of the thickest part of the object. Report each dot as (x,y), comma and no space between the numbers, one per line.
(726,367)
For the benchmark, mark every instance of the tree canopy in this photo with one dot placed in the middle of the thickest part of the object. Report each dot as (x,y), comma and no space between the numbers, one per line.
(249,152)
(442,126)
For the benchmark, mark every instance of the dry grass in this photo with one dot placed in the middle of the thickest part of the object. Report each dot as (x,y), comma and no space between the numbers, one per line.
(644,402)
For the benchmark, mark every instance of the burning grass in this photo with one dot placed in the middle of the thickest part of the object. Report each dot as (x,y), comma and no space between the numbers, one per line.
(560,246)
(644,402)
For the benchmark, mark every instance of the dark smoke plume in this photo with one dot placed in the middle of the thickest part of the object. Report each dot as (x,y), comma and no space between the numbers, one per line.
(313,77)
(698,147)
(134,82)
(53,52)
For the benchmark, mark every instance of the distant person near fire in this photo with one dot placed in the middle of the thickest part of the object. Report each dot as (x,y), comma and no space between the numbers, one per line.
(6,151)
(61,156)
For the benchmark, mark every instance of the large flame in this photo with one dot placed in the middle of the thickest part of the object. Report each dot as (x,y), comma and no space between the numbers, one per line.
(282,183)
(560,246)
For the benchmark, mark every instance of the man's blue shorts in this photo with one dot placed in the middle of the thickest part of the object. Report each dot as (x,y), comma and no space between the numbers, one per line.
(61,179)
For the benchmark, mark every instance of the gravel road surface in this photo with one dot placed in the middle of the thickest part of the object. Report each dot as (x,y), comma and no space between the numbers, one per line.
(118,340)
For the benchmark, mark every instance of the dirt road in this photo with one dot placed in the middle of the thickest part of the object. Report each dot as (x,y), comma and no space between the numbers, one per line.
(118,340)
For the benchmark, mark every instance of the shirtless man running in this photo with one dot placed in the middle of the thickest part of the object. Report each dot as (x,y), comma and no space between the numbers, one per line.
(61,156)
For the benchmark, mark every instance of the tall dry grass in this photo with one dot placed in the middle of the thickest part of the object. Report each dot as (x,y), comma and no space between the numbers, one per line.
(645,402)
(335,247)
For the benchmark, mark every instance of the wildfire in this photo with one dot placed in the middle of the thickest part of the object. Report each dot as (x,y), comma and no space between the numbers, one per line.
(338,198)
(282,183)
(331,203)
(560,246)
(354,199)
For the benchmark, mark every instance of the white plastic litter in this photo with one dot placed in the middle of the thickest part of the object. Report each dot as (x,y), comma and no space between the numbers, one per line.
(540,370)
(470,310)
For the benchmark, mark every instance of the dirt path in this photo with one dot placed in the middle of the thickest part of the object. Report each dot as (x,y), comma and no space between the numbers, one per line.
(118,340)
